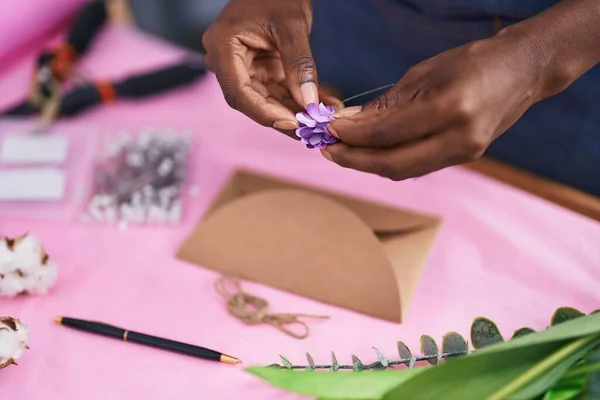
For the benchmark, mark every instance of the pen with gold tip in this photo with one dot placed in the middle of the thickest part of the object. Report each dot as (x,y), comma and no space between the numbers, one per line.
(100,328)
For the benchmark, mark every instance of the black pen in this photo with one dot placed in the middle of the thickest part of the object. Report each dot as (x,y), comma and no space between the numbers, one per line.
(100,328)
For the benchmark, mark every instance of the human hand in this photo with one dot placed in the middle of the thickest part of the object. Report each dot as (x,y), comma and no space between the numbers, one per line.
(444,111)
(260,53)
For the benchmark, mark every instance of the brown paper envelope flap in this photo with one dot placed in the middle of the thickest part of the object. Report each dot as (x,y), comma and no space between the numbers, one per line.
(301,242)
(381,218)
(408,254)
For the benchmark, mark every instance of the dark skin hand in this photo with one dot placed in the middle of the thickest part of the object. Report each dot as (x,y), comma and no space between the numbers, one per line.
(260,53)
(447,110)
(444,111)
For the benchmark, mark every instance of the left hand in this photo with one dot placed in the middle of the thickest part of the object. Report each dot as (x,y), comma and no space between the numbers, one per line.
(444,111)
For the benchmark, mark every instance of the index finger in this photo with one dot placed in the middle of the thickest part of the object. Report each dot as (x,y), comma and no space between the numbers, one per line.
(389,127)
(232,74)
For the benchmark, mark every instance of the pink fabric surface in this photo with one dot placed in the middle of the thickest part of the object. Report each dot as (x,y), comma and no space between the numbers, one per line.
(24,22)
(501,253)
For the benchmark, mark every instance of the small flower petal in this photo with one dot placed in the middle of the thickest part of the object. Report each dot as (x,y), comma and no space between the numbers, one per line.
(304,132)
(313,111)
(305,119)
(315,139)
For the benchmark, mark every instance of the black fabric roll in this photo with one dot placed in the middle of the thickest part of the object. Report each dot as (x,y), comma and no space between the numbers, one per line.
(79,100)
(159,81)
(87,24)
(21,110)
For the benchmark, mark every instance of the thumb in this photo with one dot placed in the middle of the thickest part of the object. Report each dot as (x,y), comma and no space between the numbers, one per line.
(298,63)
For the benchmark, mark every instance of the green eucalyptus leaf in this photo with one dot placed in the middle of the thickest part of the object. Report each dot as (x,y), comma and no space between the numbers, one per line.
(492,368)
(285,361)
(357,365)
(311,362)
(429,348)
(368,385)
(405,354)
(382,359)
(522,332)
(484,332)
(335,365)
(454,343)
(563,314)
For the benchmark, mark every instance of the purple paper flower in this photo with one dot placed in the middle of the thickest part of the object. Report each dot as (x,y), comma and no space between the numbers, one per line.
(313,126)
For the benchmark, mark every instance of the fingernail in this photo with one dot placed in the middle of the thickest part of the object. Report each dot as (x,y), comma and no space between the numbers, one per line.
(309,93)
(332,132)
(347,112)
(285,125)
(327,155)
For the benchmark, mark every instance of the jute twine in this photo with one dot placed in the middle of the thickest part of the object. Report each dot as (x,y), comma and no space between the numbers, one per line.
(253,310)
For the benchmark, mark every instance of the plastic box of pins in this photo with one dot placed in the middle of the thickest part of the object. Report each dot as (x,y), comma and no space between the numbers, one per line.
(140,177)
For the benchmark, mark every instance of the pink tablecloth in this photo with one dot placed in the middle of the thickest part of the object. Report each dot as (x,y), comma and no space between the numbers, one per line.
(501,253)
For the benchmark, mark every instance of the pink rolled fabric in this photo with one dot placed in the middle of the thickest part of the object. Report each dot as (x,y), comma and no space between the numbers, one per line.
(24,24)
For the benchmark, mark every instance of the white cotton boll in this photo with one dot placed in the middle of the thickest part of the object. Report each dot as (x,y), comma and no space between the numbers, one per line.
(6,258)
(40,281)
(27,267)
(13,340)
(11,284)
(27,254)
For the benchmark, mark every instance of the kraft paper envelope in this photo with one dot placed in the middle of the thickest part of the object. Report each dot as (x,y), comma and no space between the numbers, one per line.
(326,246)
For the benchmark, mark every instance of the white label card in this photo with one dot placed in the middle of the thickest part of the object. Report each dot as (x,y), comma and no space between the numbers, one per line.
(32,184)
(33,149)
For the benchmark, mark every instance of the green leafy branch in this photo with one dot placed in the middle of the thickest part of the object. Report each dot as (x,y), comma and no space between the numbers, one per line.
(453,345)
(559,363)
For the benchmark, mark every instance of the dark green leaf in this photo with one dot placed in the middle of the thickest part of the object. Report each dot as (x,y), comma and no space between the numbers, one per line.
(540,385)
(522,332)
(595,312)
(430,348)
(490,369)
(484,333)
(454,343)
(593,380)
(563,314)
(368,385)
(567,393)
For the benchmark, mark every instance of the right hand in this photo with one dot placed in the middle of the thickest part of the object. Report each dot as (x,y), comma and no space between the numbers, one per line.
(260,53)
